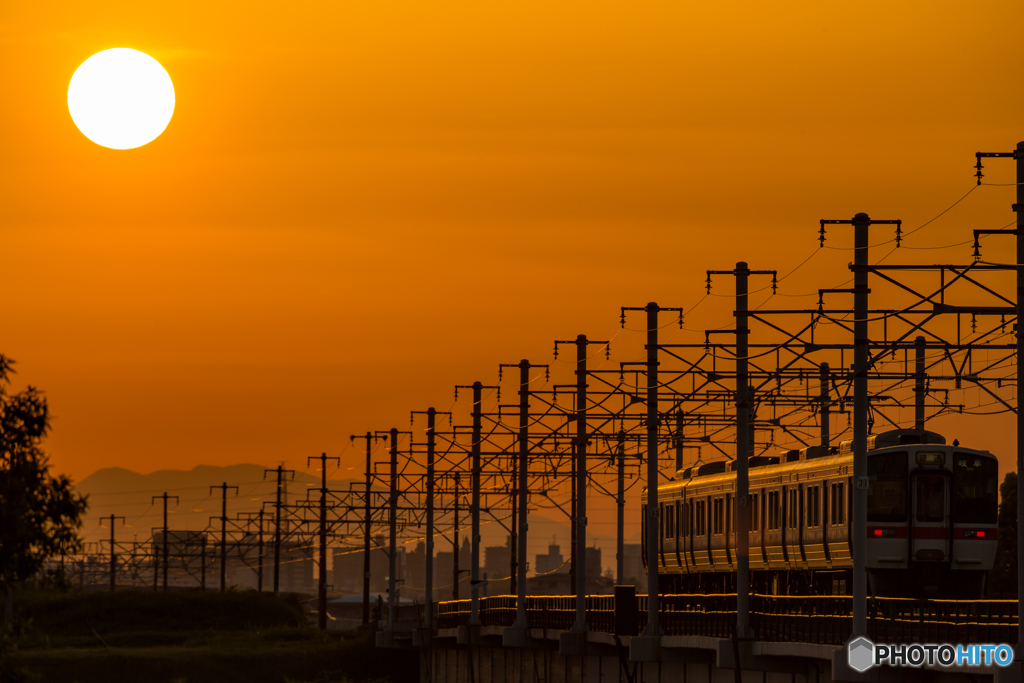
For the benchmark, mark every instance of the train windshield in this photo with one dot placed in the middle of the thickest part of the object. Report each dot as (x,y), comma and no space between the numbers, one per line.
(975,489)
(887,497)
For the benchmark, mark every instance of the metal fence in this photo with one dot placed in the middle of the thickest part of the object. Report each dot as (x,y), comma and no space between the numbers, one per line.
(822,620)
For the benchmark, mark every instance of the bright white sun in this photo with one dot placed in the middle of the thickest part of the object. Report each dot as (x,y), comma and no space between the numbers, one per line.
(121,98)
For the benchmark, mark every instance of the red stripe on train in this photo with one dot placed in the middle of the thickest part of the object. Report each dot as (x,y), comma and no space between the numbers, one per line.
(934,533)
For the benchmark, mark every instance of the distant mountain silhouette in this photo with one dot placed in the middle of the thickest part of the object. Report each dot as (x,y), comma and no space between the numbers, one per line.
(115,490)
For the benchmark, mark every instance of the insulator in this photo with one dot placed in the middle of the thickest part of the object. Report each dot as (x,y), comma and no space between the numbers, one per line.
(680,319)
(979,175)
(622,318)
(556,350)
(707,283)
(977,250)
(608,352)
(1002,323)
(974,323)
(899,233)
(821,236)
(499,374)
(547,374)
(775,283)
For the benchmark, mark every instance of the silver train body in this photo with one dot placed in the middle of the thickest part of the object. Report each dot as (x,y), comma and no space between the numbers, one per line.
(931,521)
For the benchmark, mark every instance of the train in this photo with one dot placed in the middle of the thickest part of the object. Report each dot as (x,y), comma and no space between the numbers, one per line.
(932,527)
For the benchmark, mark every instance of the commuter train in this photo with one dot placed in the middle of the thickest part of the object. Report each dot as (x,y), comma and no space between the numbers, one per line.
(931,521)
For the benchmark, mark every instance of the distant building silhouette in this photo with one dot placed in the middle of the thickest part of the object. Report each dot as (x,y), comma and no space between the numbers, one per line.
(496,566)
(633,567)
(552,562)
(348,571)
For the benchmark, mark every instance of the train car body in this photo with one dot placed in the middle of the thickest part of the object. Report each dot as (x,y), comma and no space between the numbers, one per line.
(931,520)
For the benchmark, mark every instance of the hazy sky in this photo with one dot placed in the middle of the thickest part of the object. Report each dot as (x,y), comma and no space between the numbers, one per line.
(358,205)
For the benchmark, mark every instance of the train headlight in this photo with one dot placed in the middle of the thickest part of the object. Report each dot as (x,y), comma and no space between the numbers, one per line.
(931,458)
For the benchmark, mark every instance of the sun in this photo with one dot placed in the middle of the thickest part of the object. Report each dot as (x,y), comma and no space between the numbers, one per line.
(121,98)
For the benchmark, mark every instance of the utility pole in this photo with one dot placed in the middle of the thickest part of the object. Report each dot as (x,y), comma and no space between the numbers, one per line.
(223,531)
(679,439)
(744,443)
(620,516)
(368,522)
(113,553)
(1018,156)
(823,405)
(202,562)
(472,633)
(648,644)
(861,365)
(455,540)
(517,635)
(428,614)
(474,505)
(580,484)
(653,629)
(165,498)
(322,577)
(259,545)
(920,383)
(281,471)
(393,530)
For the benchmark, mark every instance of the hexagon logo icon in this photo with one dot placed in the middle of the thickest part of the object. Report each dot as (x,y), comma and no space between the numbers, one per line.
(860,654)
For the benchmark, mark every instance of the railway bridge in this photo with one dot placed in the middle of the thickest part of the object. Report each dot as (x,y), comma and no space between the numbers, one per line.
(797,639)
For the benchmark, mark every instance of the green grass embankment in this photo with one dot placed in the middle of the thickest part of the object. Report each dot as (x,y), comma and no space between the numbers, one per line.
(188,637)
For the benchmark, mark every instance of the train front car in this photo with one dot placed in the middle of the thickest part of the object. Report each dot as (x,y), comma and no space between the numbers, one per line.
(931,521)
(931,517)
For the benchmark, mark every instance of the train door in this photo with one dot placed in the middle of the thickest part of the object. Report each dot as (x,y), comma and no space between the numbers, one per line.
(929,538)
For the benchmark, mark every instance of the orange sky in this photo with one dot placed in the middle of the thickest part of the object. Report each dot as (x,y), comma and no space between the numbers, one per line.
(358,205)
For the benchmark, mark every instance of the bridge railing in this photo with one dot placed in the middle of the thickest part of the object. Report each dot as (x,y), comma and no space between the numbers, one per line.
(899,620)
(712,615)
(542,611)
(822,620)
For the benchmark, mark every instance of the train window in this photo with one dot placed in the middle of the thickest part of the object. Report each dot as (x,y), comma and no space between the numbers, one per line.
(719,511)
(887,496)
(975,489)
(670,513)
(793,509)
(838,504)
(813,506)
(753,512)
(773,510)
(930,498)
(699,518)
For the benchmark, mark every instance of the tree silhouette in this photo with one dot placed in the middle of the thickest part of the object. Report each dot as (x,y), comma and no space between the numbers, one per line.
(39,513)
